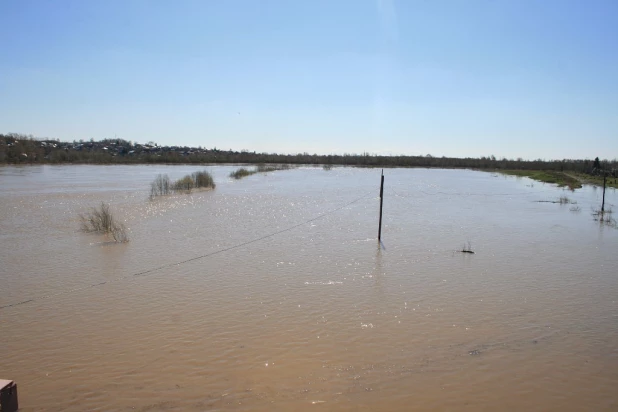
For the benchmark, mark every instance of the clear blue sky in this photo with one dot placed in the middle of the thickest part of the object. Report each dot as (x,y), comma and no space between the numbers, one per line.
(514,78)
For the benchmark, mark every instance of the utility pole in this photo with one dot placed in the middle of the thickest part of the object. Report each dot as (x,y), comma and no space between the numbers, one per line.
(381,200)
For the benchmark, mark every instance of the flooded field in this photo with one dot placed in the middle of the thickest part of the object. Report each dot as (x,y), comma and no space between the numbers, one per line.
(272,292)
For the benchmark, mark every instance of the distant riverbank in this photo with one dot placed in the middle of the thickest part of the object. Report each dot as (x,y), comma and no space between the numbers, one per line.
(26,150)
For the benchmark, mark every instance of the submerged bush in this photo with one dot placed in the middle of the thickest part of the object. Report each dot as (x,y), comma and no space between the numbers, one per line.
(240,173)
(101,220)
(261,168)
(162,186)
(203,179)
(467,248)
(185,184)
(605,217)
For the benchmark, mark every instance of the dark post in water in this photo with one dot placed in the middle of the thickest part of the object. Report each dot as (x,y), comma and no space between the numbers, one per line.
(8,396)
(381,199)
(603,204)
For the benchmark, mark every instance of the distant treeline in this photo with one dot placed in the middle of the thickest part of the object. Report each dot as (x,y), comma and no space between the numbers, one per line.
(21,149)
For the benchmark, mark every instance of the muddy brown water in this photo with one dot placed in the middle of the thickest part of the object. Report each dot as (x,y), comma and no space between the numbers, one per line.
(318,317)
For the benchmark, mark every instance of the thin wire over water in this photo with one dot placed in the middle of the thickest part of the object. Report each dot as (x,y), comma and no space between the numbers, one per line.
(145,272)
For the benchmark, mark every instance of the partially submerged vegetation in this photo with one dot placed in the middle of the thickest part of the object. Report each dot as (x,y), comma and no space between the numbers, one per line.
(203,179)
(163,186)
(101,220)
(467,248)
(596,180)
(242,172)
(563,200)
(261,168)
(605,217)
(547,176)
(186,184)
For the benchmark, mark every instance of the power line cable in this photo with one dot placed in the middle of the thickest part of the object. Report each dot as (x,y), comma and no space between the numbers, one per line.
(145,272)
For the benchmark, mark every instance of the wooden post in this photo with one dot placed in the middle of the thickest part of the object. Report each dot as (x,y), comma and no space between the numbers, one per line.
(381,199)
(603,204)
(8,396)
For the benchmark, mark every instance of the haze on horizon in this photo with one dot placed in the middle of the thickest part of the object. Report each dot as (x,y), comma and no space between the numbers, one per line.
(530,79)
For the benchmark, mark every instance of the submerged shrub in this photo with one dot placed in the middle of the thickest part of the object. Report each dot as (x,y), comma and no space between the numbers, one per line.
(261,168)
(162,186)
(101,220)
(240,173)
(185,184)
(605,217)
(203,179)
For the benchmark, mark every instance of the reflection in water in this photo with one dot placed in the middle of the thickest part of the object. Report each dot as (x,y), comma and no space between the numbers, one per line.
(316,315)
(378,272)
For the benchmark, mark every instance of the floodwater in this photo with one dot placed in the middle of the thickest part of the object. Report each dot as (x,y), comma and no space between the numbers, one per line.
(272,293)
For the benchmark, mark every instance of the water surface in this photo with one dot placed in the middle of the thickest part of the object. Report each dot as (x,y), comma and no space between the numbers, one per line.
(285,300)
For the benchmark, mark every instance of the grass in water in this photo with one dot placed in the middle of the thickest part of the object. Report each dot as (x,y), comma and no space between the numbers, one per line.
(557,178)
(101,220)
(186,184)
(163,186)
(605,217)
(596,180)
(242,172)
(563,200)
(203,179)
(262,168)
(467,248)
